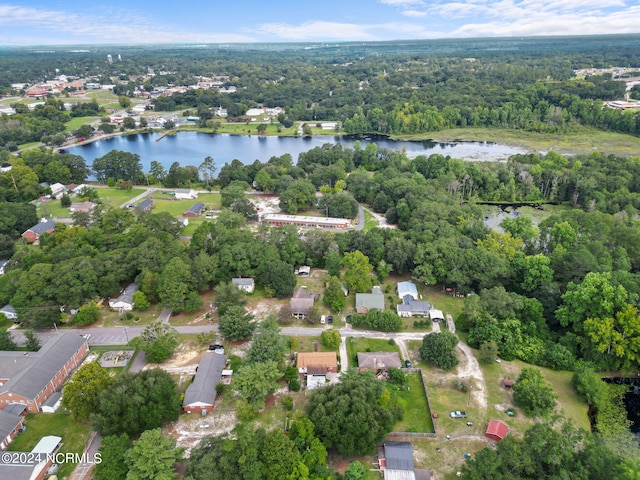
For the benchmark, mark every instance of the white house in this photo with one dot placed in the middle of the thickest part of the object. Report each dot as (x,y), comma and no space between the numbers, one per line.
(185,194)
(9,312)
(57,189)
(124,303)
(407,288)
(246,284)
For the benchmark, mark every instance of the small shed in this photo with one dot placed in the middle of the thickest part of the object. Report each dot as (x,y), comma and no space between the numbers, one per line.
(507,382)
(496,430)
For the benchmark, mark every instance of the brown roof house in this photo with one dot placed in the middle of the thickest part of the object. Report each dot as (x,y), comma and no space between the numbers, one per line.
(301,303)
(317,363)
(378,360)
(32,234)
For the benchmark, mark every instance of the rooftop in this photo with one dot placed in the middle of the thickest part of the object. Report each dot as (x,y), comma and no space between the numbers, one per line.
(203,387)
(306,359)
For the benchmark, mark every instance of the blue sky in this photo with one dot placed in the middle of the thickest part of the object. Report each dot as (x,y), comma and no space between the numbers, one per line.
(54,22)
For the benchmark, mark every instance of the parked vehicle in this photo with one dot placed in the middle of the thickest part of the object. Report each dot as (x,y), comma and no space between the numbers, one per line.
(330,319)
(458,414)
(407,363)
(323,320)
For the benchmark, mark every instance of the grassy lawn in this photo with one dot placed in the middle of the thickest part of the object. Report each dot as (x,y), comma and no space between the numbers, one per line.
(51,208)
(74,435)
(307,344)
(110,318)
(440,300)
(28,145)
(417,416)
(165,202)
(582,140)
(355,345)
(77,122)
(369,220)
(114,197)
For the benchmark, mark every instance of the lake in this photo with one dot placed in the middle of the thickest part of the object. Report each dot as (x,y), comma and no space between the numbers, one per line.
(190,148)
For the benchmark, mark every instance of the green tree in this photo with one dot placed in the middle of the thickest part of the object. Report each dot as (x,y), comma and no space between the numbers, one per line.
(300,195)
(595,297)
(358,270)
(356,471)
(280,276)
(153,457)
(137,402)
(83,388)
(6,341)
(589,385)
(124,101)
(158,340)
(533,394)
(140,301)
(331,338)
(228,295)
(617,336)
(255,381)
(174,284)
(87,314)
(65,201)
(334,296)
(112,452)
(32,343)
(333,263)
(268,344)
(208,169)
(439,349)
(348,416)
(236,323)
(488,352)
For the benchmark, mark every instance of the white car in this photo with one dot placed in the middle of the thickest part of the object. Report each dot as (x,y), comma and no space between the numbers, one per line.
(323,320)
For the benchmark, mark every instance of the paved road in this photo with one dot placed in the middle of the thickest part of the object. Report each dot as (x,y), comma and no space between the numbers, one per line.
(83,470)
(122,335)
(360,224)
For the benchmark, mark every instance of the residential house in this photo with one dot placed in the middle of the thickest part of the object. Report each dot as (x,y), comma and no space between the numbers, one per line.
(185,194)
(317,363)
(412,308)
(32,235)
(145,205)
(9,312)
(41,373)
(407,288)
(124,303)
(3,263)
(395,460)
(10,424)
(57,190)
(195,210)
(246,284)
(369,301)
(301,303)
(303,271)
(378,360)
(201,394)
(85,207)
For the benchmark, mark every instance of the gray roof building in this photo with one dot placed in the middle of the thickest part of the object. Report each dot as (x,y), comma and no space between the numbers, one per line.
(49,360)
(368,301)
(410,307)
(379,360)
(302,302)
(201,394)
(195,209)
(9,312)
(9,423)
(125,300)
(243,281)
(407,288)
(145,205)
(43,227)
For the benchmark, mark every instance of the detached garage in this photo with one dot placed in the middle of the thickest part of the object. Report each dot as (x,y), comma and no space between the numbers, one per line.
(496,430)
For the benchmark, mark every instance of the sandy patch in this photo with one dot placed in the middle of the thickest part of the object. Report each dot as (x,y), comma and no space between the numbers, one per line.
(191,428)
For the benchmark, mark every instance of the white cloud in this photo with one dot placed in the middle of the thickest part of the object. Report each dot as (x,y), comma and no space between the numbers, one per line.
(114,27)
(414,13)
(402,3)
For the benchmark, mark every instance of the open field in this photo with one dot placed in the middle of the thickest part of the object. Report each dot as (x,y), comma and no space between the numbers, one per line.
(417,416)
(74,435)
(582,140)
(77,122)
(164,202)
(114,197)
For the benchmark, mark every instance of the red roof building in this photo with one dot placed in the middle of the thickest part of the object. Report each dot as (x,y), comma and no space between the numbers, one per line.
(496,430)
